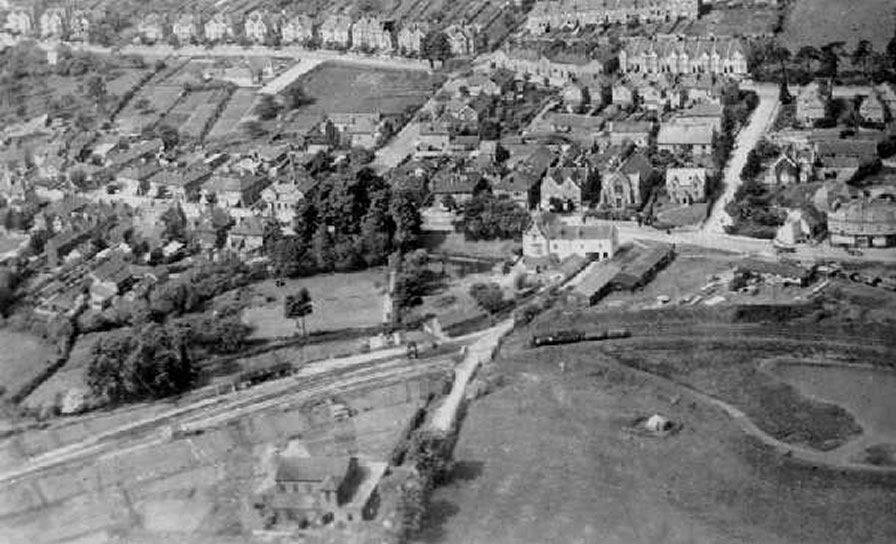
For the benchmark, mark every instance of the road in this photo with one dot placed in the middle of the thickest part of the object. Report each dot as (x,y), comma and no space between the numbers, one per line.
(398,148)
(760,122)
(320,55)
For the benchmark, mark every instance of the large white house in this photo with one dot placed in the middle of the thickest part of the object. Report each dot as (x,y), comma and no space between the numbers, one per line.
(683,56)
(549,237)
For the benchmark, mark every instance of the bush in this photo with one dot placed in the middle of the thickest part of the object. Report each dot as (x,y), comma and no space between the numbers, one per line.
(489,296)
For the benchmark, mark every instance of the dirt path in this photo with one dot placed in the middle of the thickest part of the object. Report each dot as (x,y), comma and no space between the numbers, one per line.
(836,459)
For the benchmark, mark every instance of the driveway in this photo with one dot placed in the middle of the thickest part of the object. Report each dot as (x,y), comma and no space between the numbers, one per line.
(749,136)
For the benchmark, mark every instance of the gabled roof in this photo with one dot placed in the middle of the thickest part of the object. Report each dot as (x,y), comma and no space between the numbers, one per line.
(676,134)
(637,163)
(327,471)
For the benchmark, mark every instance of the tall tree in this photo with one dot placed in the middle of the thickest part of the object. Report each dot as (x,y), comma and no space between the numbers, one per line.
(781,55)
(830,54)
(807,55)
(862,53)
(436,47)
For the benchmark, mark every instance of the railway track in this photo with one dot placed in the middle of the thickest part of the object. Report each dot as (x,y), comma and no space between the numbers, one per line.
(214,412)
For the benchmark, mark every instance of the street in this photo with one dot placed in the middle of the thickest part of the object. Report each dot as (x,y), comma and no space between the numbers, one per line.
(749,136)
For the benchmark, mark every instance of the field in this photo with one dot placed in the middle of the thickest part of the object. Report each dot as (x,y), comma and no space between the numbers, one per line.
(818,22)
(22,357)
(238,107)
(343,88)
(341,301)
(70,376)
(545,459)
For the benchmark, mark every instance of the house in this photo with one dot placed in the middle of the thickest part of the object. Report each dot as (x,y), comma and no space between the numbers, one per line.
(623,95)
(886,93)
(152,28)
(864,222)
(800,226)
(473,86)
(783,171)
(311,490)
(411,37)
(776,272)
(683,55)
(840,160)
(676,138)
(459,185)
(120,157)
(135,180)
(178,184)
(298,28)
(433,140)
(521,186)
(812,103)
(547,15)
(79,26)
(583,129)
(463,143)
(218,28)
(335,31)
(232,191)
(686,185)
(372,34)
(623,187)
(459,116)
(559,70)
(872,110)
(186,28)
(461,39)
(701,114)
(52,23)
(563,186)
(704,89)
(636,132)
(358,129)
(280,200)
(653,98)
(259,27)
(20,21)
(548,237)
(111,278)
(247,236)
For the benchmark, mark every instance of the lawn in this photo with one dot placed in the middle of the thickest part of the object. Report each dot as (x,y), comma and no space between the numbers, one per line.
(544,459)
(818,22)
(239,105)
(71,376)
(680,216)
(341,301)
(22,358)
(344,88)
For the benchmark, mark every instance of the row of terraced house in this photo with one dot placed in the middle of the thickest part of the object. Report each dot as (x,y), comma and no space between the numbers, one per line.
(338,30)
(548,15)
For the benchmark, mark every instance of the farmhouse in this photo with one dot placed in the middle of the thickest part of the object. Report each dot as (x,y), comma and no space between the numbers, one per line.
(312,490)
(683,56)
(548,237)
(864,222)
(555,14)
(686,185)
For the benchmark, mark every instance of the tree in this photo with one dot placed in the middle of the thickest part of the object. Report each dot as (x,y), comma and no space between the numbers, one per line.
(267,108)
(298,306)
(375,236)
(79,178)
(96,89)
(254,129)
(808,54)
(862,53)
(297,98)
(169,136)
(38,241)
(436,47)
(830,56)
(891,52)
(489,296)
(175,221)
(486,217)
(780,55)
(405,214)
(322,248)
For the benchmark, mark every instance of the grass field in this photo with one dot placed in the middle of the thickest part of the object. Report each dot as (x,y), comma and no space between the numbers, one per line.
(544,459)
(22,357)
(341,301)
(343,88)
(239,105)
(818,22)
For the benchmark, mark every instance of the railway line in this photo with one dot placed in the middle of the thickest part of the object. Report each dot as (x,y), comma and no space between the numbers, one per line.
(209,413)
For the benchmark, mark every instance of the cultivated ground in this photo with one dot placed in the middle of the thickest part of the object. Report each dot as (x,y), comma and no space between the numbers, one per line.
(545,458)
(818,22)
